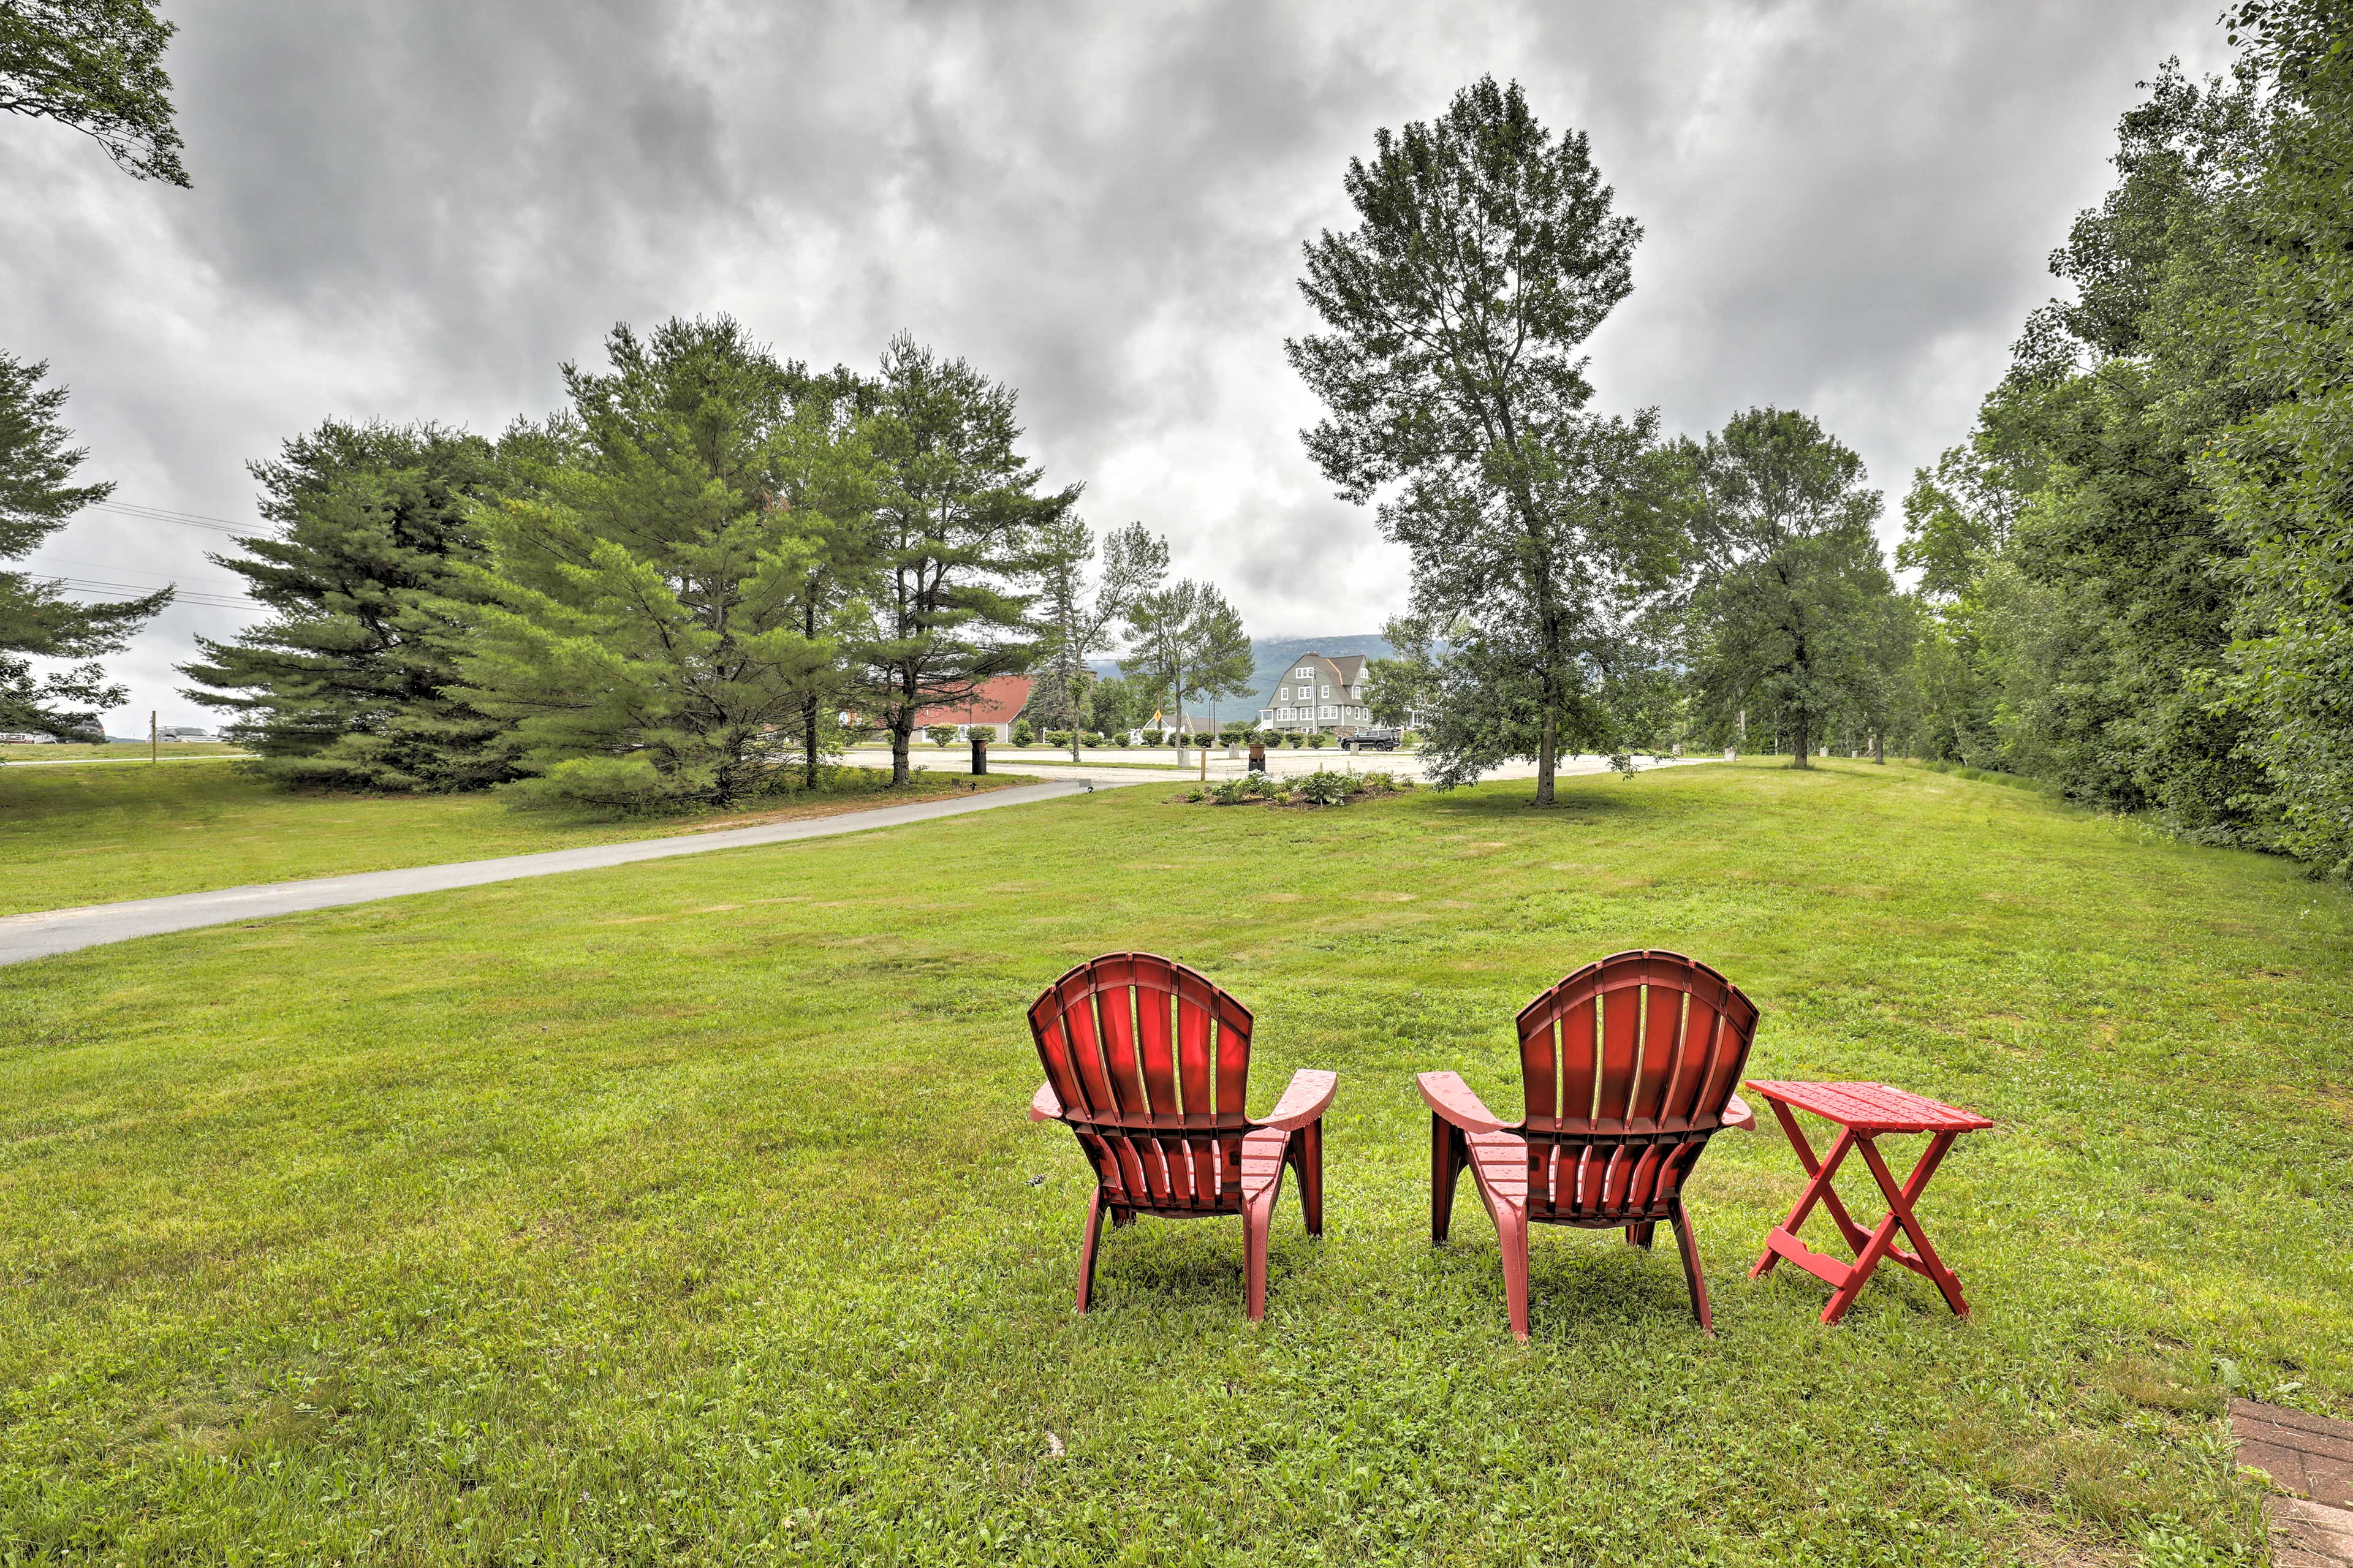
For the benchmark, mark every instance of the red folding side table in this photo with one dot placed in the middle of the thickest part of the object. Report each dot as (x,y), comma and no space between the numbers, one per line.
(1862,1112)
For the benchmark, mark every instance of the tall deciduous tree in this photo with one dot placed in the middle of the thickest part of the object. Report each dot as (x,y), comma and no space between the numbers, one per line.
(1223,665)
(2282,475)
(1795,608)
(641,624)
(96,66)
(1486,255)
(1185,644)
(1080,617)
(956,521)
(37,496)
(342,685)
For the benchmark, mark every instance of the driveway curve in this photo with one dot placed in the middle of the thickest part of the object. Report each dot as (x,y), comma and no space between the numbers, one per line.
(50,931)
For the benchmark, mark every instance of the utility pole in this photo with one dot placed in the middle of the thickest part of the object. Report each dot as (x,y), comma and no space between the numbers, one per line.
(155,751)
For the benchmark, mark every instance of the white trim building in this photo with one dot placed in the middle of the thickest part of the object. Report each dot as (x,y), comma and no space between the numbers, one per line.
(1314,692)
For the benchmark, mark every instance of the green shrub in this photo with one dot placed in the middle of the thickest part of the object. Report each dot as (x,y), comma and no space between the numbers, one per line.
(1203,739)
(1323,787)
(1121,739)
(1194,797)
(1058,737)
(1152,737)
(1266,786)
(1025,733)
(1319,740)
(1293,741)
(1235,792)
(1091,739)
(940,734)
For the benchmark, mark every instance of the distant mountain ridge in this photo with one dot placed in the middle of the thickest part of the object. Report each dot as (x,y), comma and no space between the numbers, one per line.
(1269,657)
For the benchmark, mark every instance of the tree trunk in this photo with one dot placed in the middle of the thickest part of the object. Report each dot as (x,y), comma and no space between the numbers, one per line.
(902,735)
(808,703)
(1878,747)
(1805,749)
(1545,759)
(809,742)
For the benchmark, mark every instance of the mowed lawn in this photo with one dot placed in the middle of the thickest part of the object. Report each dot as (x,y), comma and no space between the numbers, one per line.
(93,835)
(687,1212)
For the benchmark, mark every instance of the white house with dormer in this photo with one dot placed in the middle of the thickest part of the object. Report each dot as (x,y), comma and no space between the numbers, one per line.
(1318,693)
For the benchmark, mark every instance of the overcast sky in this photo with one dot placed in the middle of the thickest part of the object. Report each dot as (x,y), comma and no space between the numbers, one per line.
(419,210)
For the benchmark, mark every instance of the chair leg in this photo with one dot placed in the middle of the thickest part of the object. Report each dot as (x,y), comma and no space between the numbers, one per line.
(1305,1155)
(1448,1154)
(1256,1223)
(1087,1249)
(1640,1235)
(1511,1234)
(1692,1275)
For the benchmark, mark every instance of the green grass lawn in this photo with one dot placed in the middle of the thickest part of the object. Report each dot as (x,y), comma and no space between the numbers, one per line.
(15,752)
(87,835)
(686,1211)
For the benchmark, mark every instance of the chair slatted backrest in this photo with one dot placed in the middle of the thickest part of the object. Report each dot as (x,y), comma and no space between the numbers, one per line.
(1151,1062)
(1626,1066)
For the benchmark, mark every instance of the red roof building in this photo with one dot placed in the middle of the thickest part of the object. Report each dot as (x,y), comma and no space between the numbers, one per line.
(992,708)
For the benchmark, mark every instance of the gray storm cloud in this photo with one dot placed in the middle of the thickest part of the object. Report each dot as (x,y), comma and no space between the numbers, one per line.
(419,211)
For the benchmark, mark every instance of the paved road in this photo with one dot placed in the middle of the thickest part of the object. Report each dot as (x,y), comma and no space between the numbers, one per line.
(118,762)
(48,932)
(1117,766)
(39,935)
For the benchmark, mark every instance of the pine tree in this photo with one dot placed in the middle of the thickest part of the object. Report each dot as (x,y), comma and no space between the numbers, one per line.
(37,620)
(957,521)
(343,686)
(643,622)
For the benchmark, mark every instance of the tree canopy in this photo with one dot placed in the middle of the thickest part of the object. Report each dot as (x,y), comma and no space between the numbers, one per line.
(39,497)
(344,683)
(96,67)
(1485,254)
(640,624)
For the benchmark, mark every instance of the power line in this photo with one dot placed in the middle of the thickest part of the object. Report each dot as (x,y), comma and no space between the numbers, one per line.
(183,519)
(97,588)
(207,585)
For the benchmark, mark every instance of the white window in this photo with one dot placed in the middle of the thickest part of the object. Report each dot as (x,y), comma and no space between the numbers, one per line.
(1305,672)
(1331,712)
(1327,691)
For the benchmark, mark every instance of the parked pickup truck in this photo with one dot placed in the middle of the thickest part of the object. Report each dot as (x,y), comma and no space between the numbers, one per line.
(1370,740)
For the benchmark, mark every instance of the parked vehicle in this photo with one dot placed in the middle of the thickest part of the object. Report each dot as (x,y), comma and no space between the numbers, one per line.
(1371,740)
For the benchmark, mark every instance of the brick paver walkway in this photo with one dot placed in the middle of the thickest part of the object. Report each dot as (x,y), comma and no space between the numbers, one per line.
(2311,1457)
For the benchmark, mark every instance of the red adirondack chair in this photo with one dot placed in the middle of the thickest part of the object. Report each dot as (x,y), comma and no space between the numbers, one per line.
(1146,1061)
(1628,1066)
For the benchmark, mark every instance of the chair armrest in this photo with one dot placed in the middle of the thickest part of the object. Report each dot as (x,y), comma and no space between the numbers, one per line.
(1309,1092)
(1452,1101)
(1737,1117)
(1045,1105)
